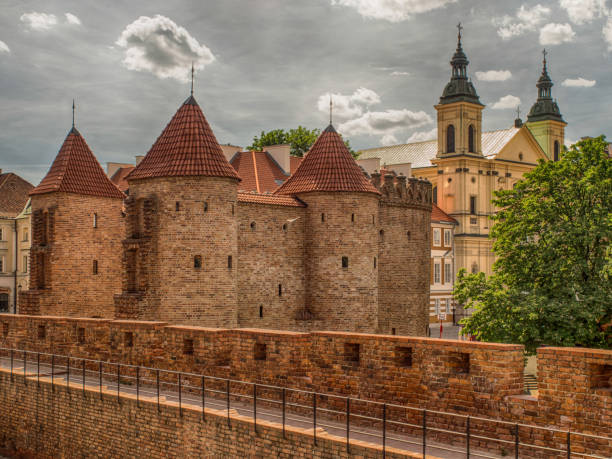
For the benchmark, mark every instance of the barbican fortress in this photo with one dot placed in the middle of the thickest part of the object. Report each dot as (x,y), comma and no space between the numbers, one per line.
(331,249)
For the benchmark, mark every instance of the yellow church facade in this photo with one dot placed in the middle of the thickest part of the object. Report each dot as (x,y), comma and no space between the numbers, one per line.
(466,165)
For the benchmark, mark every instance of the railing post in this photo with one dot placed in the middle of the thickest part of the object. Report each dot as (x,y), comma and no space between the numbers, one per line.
(284,403)
(255,406)
(516,441)
(348,424)
(83,376)
(180,396)
(25,381)
(424,433)
(157,378)
(138,387)
(384,430)
(467,437)
(67,374)
(38,369)
(203,398)
(100,379)
(569,445)
(228,401)
(52,371)
(314,417)
(118,381)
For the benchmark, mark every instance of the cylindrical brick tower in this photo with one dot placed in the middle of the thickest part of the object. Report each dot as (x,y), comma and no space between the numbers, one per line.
(181,247)
(341,247)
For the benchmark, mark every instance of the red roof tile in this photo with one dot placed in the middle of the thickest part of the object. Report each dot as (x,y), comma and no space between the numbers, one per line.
(328,166)
(258,171)
(187,146)
(76,170)
(438,215)
(270,199)
(13,194)
(119,176)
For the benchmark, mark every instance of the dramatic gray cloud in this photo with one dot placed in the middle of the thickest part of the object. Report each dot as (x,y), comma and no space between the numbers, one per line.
(4,47)
(422,136)
(584,11)
(72,19)
(494,75)
(385,122)
(526,19)
(578,83)
(607,33)
(392,10)
(38,21)
(158,45)
(505,102)
(555,34)
(348,106)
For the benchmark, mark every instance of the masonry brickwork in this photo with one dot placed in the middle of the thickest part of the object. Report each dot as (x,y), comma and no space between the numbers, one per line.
(479,379)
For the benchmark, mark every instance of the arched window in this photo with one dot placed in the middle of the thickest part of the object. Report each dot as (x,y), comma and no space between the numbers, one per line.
(450,139)
(556,152)
(435,195)
(471,148)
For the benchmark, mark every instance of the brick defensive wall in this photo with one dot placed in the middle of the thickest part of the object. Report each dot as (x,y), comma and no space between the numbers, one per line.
(477,379)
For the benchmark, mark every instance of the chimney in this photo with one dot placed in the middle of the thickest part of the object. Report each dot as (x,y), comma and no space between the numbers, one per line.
(518,123)
(230,150)
(280,153)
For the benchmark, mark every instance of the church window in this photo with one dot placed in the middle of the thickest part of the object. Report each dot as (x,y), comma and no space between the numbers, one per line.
(95,267)
(25,263)
(197,261)
(520,156)
(345,262)
(435,195)
(471,139)
(95,220)
(556,151)
(450,139)
(25,235)
(436,236)
(229,262)
(473,205)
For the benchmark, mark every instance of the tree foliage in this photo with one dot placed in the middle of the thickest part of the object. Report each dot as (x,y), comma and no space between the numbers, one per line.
(300,139)
(552,281)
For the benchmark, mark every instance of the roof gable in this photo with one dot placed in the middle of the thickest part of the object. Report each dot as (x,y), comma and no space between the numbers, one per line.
(328,166)
(76,170)
(522,142)
(258,170)
(186,147)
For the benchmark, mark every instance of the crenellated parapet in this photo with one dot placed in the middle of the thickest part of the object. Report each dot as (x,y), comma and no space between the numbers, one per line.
(403,191)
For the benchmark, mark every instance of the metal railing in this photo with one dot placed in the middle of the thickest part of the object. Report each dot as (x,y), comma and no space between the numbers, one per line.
(385,424)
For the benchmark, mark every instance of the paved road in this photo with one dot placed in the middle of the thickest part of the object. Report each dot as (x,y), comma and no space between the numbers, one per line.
(216,401)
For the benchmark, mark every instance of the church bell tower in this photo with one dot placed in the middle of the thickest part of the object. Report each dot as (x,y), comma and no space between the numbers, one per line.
(459,111)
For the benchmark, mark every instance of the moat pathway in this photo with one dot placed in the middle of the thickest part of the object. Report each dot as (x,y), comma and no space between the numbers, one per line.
(216,401)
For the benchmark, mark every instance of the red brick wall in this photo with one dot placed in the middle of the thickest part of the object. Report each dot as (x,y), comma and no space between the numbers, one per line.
(71,246)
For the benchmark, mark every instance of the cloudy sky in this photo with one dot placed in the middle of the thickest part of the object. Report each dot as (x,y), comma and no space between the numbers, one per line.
(266,64)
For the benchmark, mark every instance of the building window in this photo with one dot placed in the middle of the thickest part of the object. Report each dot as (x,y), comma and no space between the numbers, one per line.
(285,227)
(4,304)
(25,263)
(435,194)
(81,335)
(1,264)
(229,262)
(436,236)
(95,267)
(128,339)
(374,262)
(253,226)
(450,139)
(187,346)
(351,352)
(322,217)
(177,206)
(280,290)
(353,218)
(95,220)
(393,331)
(448,305)
(260,351)
(25,235)
(197,261)
(473,205)
(556,151)
(448,275)
(436,272)
(42,332)
(381,235)
(471,139)
(1,234)
(437,306)
(260,311)
(408,235)
(474,268)
(205,206)
(345,262)
(233,210)
(447,238)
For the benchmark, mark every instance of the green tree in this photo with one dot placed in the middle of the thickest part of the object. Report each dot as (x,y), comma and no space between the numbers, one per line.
(552,281)
(300,139)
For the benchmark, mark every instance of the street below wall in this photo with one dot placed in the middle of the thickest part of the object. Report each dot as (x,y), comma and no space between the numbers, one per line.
(449,331)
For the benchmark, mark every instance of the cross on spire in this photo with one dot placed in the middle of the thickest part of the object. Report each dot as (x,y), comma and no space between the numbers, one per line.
(73,113)
(459,29)
(192,78)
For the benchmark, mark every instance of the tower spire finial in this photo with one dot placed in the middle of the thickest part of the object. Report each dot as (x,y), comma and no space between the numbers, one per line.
(330,108)
(192,71)
(518,111)
(459,29)
(544,53)
(72,113)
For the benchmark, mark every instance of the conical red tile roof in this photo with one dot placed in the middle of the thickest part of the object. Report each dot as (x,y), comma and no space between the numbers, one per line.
(76,170)
(187,146)
(328,166)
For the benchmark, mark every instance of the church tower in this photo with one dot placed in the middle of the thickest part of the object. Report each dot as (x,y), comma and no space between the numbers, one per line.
(544,120)
(459,111)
